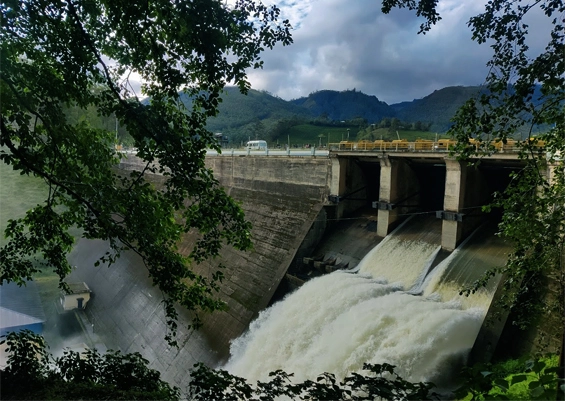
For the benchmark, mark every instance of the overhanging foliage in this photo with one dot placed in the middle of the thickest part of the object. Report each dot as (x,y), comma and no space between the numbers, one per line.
(81,53)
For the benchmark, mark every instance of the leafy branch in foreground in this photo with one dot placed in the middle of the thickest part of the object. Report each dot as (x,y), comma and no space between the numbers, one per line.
(377,382)
(524,92)
(32,373)
(513,380)
(57,54)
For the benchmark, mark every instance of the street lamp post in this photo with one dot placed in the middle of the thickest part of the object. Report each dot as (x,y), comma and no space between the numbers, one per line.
(320,136)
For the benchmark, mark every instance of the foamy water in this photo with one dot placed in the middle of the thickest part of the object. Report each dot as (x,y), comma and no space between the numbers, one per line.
(337,322)
(398,261)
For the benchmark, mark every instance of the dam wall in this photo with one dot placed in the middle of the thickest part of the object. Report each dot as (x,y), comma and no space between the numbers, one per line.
(283,199)
(290,202)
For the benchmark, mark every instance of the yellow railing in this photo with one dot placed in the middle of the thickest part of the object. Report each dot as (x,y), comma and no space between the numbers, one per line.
(441,145)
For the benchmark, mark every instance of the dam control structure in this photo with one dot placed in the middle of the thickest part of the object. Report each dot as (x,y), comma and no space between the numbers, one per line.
(292,203)
(400,183)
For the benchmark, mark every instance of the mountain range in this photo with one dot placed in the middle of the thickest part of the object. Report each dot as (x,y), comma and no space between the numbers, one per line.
(242,115)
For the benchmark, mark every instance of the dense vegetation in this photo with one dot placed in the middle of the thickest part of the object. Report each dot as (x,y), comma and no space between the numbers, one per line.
(345,105)
(59,57)
(32,373)
(263,116)
(252,116)
(438,108)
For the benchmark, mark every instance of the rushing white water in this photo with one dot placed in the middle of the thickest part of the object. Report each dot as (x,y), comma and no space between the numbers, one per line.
(408,259)
(337,322)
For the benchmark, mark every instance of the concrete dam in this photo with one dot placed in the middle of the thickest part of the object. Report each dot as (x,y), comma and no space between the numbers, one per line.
(313,214)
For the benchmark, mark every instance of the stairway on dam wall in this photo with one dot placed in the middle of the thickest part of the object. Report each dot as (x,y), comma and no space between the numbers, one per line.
(281,197)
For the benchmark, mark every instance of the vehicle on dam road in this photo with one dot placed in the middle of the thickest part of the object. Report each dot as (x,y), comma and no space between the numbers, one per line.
(256,145)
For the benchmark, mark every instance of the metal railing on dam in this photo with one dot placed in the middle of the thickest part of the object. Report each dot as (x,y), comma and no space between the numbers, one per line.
(420,146)
(270,152)
(428,145)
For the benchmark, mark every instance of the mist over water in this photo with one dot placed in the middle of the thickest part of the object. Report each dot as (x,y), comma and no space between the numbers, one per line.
(337,322)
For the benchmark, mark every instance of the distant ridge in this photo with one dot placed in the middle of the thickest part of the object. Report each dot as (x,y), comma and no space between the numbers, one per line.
(242,116)
(260,115)
(237,110)
(438,108)
(345,105)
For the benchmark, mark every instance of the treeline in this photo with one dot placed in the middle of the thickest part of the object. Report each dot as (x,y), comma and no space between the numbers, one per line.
(91,116)
(388,129)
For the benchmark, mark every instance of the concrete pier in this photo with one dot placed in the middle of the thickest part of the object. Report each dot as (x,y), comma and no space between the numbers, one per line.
(404,187)
(398,183)
(466,191)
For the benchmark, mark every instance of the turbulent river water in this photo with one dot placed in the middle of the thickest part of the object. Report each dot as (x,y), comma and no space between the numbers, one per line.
(393,309)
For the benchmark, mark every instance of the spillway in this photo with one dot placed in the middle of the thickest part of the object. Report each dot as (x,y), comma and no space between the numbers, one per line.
(337,322)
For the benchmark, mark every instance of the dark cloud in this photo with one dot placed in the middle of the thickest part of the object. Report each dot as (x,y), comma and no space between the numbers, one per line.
(343,44)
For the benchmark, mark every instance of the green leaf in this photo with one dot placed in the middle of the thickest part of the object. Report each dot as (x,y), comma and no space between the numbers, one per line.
(518,379)
(534,384)
(537,392)
(502,384)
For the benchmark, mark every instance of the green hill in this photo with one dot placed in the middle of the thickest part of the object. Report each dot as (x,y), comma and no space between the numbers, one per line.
(259,115)
(252,116)
(345,105)
(437,108)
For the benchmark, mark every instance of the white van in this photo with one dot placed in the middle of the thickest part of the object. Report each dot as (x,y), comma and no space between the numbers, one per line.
(256,145)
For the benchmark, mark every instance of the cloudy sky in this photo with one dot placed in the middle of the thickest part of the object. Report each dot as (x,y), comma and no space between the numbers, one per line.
(346,44)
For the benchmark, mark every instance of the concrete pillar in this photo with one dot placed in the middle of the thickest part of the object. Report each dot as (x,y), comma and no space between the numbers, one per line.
(397,183)
(455,176)
(348,189)
(466,191)
(338,182)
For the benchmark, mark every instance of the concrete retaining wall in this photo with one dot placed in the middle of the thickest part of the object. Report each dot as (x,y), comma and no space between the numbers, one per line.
(281,197)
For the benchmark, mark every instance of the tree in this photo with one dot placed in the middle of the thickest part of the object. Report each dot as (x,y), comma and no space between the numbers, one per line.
(31,373)
(258,129)
(57,54)
(380,382)
(394,125)
(524,91)
(385,123)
